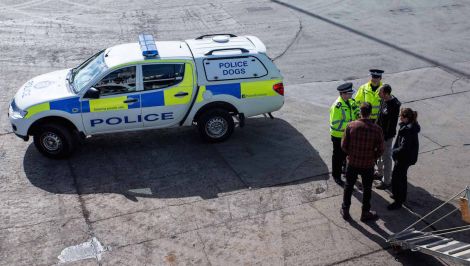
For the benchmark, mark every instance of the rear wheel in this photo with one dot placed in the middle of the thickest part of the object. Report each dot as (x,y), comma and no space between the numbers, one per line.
(215,125)
(55,141)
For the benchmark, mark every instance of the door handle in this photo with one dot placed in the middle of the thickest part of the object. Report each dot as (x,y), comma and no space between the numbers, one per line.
(181,94)
(131,100)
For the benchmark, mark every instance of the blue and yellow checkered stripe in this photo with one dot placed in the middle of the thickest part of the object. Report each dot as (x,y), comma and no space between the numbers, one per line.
(110,104)
(166,97)
(242,90)
(71,105)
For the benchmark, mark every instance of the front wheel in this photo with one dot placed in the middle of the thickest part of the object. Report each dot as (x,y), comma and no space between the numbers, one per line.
(215,125)
(55,141)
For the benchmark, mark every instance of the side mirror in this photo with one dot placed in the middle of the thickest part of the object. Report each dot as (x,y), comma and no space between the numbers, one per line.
(92,93)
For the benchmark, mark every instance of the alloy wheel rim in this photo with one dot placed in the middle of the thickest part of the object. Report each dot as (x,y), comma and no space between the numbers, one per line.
(216,127)
(51,142)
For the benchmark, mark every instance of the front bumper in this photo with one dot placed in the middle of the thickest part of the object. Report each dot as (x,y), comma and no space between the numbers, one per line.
(25,138)
(19,127)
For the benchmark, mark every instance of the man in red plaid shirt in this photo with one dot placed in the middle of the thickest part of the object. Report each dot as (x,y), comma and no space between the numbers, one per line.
(363,143)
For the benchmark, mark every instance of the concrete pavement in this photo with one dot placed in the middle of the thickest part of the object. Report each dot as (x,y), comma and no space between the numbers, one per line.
(265,196)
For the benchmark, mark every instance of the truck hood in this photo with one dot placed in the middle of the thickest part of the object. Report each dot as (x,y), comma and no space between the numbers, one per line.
(43,88)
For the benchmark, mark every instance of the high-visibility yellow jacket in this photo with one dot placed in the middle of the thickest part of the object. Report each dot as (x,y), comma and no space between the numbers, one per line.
(366,94)
(341,114)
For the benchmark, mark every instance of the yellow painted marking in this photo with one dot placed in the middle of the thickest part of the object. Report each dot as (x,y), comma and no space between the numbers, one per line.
(37,109)
(258,88)
(171,99)
(108,104)
(184,86)
(199,98)
(188,76)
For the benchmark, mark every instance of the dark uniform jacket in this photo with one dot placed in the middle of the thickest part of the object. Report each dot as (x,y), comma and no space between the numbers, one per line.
(388,117)
(406,147)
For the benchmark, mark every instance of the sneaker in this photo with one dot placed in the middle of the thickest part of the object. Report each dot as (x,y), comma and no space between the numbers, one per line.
(394,206)
(383,186)
(345,214)
(339,181)
(369,216)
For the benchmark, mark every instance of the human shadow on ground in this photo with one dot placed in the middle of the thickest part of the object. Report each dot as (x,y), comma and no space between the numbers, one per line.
(419,203)
(175,163)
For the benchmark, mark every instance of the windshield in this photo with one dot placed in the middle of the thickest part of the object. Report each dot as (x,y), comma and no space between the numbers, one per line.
(88,71)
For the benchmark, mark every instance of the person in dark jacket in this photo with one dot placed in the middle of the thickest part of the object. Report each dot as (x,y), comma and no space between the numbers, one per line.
(404,153)
(387,120)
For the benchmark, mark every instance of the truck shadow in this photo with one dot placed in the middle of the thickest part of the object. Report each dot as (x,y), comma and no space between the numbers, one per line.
(175,163)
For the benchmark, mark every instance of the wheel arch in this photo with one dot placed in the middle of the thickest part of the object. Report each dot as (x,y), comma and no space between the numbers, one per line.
(216,105)
(52,120)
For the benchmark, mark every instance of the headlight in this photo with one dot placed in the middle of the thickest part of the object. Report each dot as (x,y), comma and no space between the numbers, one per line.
(16,112)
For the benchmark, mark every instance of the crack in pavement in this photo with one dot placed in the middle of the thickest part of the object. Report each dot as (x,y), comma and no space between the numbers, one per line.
(217,224)
(437,96)
(293,182)
(203,247)
(7,133)
(433,141)
(220,197)
(437,149)
(39,223)
(83,208)
(247,186)
(358,256)
(383,42)
(294,40)
(452,85)
(387,74)
(312,205)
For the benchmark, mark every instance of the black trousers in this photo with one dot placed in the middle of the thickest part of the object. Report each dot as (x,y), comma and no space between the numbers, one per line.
(338,159)
(400,181)
(367,175)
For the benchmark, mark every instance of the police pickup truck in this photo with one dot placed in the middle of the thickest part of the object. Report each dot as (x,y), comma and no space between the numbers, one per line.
(150,84)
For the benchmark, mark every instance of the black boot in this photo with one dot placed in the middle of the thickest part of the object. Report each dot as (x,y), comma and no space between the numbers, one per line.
(339,181)
(345,214)
(369,216)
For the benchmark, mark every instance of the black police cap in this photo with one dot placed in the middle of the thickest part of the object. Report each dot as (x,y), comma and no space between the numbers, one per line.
(376,72)
(346,87)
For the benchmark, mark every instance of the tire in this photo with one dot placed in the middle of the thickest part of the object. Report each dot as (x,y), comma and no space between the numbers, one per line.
(215,125)
(55,141)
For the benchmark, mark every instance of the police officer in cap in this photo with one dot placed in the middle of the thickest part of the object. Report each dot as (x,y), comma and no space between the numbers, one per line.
(369,92)
(342,111)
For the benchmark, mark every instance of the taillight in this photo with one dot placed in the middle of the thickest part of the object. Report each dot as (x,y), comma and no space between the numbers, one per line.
(279,88)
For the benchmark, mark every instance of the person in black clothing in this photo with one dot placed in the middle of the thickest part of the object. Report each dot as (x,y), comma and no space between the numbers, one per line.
(387,120)
(405,154)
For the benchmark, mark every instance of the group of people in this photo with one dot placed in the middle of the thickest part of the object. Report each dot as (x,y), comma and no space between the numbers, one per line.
(362,131)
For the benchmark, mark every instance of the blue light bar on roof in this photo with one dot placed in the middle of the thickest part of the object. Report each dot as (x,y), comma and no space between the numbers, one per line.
(147,45)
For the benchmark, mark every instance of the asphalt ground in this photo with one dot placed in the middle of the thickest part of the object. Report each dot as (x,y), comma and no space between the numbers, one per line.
(263,197)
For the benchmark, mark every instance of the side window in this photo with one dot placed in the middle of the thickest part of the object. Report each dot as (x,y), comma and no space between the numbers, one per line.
(118,82)
(234,68)
(160,76)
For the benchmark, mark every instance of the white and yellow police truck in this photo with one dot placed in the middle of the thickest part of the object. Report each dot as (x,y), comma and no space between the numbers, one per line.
(151,84)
